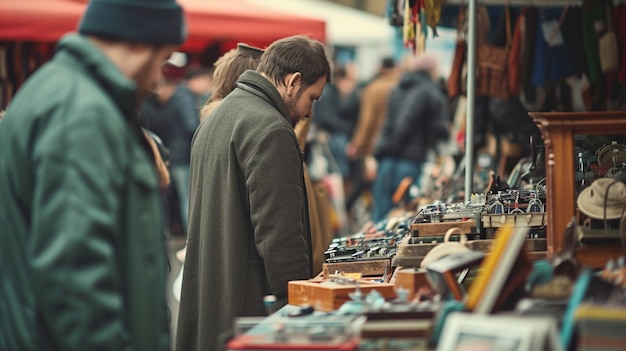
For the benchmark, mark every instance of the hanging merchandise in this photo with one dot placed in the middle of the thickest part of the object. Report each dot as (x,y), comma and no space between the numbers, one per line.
(515,56)
(433,14)
(395,12)
(551,29)
(421,28)
(415,28)
(593,17)
(492,65)
(454,82)
(408,29)
(620,22)
(607,45)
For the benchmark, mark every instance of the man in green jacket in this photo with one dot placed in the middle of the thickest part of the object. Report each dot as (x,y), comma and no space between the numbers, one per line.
(82,257)
(248,222)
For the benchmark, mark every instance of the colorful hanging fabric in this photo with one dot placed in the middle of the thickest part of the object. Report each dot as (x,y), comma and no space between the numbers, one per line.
(420,43)
(433,14)
(414,33)
(408,32)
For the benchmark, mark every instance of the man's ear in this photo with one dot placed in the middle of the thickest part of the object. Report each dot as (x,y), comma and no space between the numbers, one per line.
(292,83)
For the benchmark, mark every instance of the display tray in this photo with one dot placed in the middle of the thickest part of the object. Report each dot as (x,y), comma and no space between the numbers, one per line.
(380,268)
(411,255)
(259,342)
(409,324)
(532,219)
(312,331)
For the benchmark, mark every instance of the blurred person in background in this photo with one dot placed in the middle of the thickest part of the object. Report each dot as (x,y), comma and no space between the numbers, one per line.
(199,80)
(318,204)
(83,262)
(249,226)
(337,111)
(171,113)
(334,118)
(417,123)
(372,112)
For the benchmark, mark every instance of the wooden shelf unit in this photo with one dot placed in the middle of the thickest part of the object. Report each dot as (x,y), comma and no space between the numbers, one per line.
(558,130)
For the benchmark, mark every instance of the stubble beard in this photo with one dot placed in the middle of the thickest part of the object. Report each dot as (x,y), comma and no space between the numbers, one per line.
(292,108)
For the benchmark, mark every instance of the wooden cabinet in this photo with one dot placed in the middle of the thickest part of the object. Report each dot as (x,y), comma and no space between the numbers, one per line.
(558,130)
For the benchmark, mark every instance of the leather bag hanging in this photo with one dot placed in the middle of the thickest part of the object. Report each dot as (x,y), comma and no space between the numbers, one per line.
(454,79)
(515,56)
(492,66)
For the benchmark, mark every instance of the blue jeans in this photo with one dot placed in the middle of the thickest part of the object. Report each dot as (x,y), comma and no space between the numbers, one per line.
(180,181)
(337,144)
(390,173)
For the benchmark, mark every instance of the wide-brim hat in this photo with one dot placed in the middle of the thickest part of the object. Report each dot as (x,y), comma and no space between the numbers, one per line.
(605,198)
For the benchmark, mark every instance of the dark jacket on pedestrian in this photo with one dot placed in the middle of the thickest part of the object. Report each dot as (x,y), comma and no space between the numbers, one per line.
(248,224)
(174,122)
(82,257)
(416,119)
(335,114)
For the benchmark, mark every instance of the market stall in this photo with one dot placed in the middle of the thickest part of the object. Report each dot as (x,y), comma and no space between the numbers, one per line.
(208,21)
(30,28)
(471,69)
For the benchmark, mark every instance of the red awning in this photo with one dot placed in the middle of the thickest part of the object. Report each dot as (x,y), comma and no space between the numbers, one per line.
(38,20)
(213,20)
(208,21)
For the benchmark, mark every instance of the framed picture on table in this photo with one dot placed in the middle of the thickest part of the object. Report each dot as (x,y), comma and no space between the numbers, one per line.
(479,332)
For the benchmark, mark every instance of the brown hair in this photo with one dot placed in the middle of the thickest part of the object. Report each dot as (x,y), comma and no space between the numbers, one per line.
(295,54)
(228,68)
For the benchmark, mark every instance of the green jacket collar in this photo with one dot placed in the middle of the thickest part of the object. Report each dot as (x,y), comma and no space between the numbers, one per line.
(262,85)
(82,53)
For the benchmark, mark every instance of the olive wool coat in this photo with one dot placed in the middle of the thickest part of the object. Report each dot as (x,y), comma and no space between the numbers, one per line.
(248,220)
(82,256)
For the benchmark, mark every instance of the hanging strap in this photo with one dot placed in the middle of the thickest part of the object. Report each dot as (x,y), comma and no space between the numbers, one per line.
(610,26)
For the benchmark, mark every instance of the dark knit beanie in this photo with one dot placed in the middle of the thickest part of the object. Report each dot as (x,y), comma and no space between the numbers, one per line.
(157,22)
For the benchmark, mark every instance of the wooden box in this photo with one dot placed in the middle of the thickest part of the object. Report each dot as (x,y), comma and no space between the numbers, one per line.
(328,296)
(440,228)
(412,280)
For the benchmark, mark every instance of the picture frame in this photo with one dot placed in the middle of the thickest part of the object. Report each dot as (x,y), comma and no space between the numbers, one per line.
(477,332)
(446,275)
(503,271)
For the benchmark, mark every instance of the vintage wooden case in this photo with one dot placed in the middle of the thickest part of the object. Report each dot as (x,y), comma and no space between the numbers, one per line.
(327,296)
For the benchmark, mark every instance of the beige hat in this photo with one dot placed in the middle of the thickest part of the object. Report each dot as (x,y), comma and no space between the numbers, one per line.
(591,201)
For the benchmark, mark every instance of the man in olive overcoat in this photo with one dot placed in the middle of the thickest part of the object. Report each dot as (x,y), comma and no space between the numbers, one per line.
(248,223)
